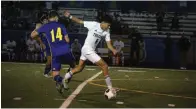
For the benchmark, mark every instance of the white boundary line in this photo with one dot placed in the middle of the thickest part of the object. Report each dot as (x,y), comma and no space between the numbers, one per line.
(130,71)
(71,97)
(109,67)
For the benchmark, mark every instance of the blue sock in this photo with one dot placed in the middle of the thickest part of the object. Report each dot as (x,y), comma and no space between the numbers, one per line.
(58,78)
(47,69)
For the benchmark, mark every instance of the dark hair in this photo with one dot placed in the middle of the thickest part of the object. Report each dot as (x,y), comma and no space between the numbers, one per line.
(43,16)
(52,14)
(107,19)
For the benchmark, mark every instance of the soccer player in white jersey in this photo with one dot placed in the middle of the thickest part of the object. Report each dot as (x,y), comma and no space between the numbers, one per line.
(11,45)
(119,45)
(96,32)
(31,49)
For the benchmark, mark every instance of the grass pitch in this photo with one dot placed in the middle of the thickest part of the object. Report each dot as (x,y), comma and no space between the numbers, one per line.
(24,86)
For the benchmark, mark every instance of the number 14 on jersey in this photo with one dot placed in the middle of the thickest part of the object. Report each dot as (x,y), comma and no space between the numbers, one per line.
(57,36)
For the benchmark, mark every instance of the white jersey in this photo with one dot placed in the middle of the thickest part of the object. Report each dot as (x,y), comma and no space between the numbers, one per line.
(38,47)
(94,36)
(31,44)
(10,44)
(118,45)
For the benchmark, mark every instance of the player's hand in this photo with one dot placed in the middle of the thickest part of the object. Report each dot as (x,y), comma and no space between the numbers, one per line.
(66,14)
(115,51)
(43,46)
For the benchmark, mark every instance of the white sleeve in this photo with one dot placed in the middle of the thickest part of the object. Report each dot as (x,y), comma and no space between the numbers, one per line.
(107,38)
(89,24)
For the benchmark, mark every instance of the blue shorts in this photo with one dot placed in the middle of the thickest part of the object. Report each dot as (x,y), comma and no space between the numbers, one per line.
(58,60)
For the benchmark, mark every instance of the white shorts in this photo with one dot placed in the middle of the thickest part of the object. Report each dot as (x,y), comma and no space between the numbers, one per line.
(31,49)
(90,55)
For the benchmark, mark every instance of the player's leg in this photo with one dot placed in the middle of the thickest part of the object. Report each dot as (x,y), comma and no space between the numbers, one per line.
(113,60)
(56,66)
(117,59)
(12,54)
(75,70)
(47,69)
(36,56)
(122,58)
(104,67)
(70,57)
(9,54)
(48,66)
(94,58)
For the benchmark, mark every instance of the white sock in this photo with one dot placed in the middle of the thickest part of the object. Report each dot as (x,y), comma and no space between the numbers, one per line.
(108,82)
(68,75)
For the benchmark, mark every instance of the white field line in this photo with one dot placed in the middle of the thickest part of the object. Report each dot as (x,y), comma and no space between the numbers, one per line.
(71,97)
(130,71)
(90,69)
(132,68)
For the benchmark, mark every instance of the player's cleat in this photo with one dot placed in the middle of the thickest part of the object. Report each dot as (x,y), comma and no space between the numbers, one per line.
(68,80)
(59,87)
(47,75)
(65,83)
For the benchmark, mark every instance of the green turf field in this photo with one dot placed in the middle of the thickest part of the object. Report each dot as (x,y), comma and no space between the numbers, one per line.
(24,86)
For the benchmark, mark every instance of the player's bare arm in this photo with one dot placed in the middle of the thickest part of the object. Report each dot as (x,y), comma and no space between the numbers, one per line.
(41,43)
(67,38)
(38,25)
(34,34)
(75,19)
(109,44)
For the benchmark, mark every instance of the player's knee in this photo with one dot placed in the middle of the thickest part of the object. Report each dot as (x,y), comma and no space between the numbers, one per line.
(54,73)
(105,66)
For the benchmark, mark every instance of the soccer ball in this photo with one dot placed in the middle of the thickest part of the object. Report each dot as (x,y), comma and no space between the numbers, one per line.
(109,94)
